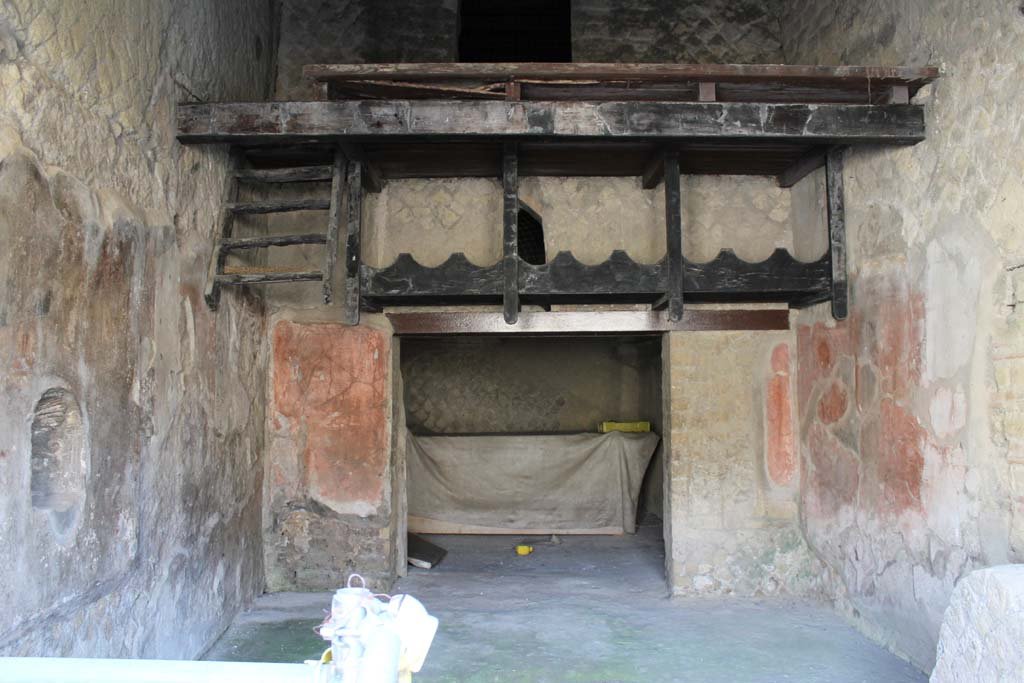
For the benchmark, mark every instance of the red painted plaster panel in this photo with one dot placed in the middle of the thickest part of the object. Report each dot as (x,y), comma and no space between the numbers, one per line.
(331,381)
(895,442)
(832,405)
(779,420)
(834,475)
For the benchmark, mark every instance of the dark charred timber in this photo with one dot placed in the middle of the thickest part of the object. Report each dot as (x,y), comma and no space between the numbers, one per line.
(577,323)
(674,237)
(510,261)
(236,243)
(282,206)
(294,122)
(779,278)
(836,230)
(338,173)
(211,292)
(264,278)
(805,165)
(406,279)
(354,225)
(565,276)
(301,174)
(373,180)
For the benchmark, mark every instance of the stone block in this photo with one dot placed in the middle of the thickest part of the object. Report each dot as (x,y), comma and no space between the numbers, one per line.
(983,628)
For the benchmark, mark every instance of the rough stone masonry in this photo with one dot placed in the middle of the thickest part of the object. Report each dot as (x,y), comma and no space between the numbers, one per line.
(161,464)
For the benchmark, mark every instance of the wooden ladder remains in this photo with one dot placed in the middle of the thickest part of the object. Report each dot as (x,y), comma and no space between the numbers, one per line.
(346,180)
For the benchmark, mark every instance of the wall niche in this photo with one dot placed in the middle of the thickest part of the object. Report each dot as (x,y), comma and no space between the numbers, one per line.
(59,459)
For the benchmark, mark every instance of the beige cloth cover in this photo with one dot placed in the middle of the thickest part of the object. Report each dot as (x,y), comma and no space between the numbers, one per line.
(538,484)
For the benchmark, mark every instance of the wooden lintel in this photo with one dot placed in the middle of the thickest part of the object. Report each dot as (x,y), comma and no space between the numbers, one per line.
(571,323)
(836,230)
(510,232)
(402,120)
(373,179)
(706,91)
(808,163)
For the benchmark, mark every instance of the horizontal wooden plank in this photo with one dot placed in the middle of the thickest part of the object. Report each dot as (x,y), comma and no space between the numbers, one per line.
(299,174)
(280,206)
(259,278)
(401,120)
(726,278)
(574,323)
(630,72)
(235,243)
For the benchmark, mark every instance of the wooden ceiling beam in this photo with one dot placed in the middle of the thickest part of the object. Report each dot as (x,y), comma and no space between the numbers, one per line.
(576,323)
(403,120)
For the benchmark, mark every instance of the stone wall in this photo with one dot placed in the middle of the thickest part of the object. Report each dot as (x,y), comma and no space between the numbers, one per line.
(910,411)
(328,503)
(983,628)
(685,31)
(131,417)
(732,475)
(472,385)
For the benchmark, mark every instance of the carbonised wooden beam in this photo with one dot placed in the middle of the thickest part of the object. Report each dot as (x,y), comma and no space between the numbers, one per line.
(654,171)
(510,232)
(674,236)
(225,228)
(793,73)
(574,323)
(354,223)
(373,179)
(808,163)
(259,242)
(338,171)
(313,122)
(300,174)
(836,230)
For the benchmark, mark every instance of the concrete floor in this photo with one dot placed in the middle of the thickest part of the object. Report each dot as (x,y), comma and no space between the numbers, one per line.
(586,609)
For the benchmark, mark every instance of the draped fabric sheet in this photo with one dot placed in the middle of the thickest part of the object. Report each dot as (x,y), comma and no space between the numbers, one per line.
(538,484)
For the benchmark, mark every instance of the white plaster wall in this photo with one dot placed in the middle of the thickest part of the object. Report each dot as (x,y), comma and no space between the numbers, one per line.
(935,240)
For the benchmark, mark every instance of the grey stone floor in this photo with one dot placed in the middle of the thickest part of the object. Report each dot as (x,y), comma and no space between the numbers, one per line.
(586,609)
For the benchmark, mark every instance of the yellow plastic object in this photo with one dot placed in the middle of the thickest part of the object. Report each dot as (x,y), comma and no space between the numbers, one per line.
(624,427)
(524,549)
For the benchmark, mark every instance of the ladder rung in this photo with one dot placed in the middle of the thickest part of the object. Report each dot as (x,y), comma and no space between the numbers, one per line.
(299,174)
(234,243)
(281,206)
(258,277)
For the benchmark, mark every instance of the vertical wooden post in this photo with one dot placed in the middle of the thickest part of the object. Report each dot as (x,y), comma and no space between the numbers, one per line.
(836,230)
(225,229)
(674,236)
(334,223)
(510,234)
(352,256)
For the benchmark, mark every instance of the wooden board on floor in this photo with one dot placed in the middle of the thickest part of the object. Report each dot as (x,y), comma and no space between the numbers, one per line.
(423,525)
(422,553)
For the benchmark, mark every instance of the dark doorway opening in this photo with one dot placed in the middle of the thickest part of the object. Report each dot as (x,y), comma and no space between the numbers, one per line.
(517,31)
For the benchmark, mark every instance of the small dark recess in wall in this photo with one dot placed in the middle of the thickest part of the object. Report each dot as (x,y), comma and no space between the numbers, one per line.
(531,236)
(515,31)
